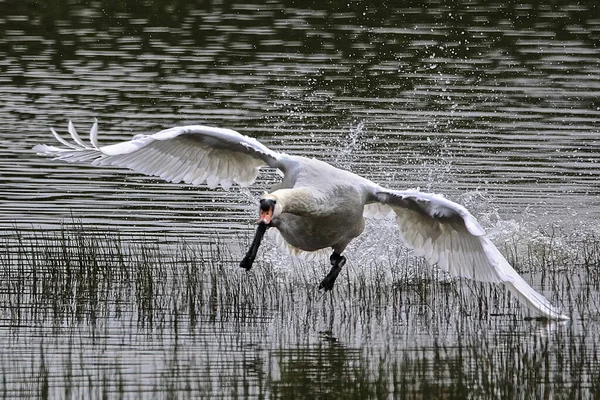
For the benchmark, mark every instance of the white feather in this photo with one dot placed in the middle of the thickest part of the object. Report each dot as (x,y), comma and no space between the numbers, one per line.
(193,154)
(60,139)
(446,234)
(75,135)
(314,256)
(377,210)
(94,135)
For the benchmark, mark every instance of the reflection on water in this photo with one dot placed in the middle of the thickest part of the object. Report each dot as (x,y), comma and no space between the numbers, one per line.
(497,101)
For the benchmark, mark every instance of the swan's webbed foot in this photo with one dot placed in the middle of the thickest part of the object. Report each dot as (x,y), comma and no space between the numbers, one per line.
(337,262)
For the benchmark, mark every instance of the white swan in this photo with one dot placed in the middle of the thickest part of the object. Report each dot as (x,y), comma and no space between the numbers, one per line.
(315,206)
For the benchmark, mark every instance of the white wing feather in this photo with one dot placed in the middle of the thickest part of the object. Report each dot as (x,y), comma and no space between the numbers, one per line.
(192,154)
(377,211)
(446,234)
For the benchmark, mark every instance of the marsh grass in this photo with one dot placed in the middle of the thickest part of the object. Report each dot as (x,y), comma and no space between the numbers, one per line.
(92,313)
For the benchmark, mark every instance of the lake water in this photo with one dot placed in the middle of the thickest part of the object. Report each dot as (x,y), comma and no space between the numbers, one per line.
(494,105)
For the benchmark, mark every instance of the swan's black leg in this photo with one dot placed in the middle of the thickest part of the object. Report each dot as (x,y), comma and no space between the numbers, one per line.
(337,262)
(251,255)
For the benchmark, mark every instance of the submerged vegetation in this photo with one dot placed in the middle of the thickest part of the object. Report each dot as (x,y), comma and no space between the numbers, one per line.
(90,313)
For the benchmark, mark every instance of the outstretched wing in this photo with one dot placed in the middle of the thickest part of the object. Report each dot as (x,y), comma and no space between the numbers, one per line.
(192,154)
(446,234)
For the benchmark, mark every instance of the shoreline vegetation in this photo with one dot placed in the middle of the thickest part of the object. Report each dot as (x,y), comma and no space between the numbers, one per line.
(393,327)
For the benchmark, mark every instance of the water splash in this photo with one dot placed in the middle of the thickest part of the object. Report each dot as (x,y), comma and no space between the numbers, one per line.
(441,169)
(351,144)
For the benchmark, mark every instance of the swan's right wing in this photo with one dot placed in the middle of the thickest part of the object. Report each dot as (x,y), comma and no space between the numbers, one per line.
(193,154)
(447,235)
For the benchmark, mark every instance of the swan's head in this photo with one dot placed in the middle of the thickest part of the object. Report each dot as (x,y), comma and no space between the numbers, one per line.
(267,209)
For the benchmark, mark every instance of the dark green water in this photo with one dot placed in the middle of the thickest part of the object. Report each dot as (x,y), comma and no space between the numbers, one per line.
(491,104)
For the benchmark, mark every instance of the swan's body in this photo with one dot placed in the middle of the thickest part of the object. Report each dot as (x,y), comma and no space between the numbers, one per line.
(313,213)
(316,205)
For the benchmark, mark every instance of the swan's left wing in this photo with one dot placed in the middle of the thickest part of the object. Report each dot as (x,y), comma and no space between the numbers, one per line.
(192,154)
(446,234)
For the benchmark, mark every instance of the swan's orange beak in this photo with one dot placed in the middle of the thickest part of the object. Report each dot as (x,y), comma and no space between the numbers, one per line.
(265,213)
